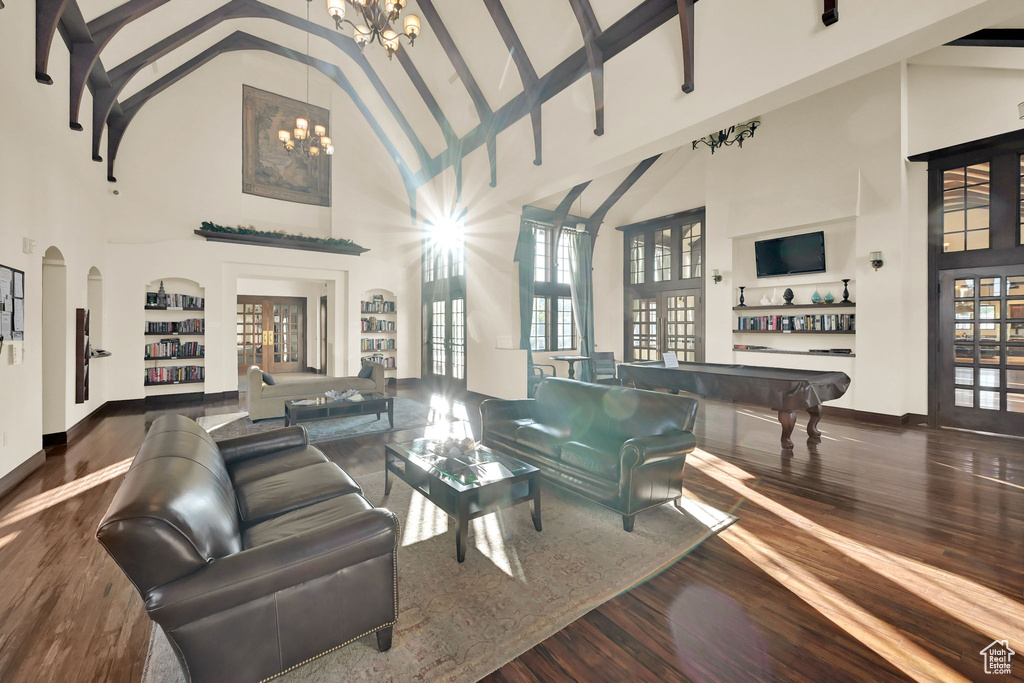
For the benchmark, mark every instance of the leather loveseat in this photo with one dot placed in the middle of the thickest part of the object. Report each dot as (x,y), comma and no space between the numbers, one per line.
(622,448)
(255,554)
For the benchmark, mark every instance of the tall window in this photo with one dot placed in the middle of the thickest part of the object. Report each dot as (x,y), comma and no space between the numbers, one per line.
(690,251)
(552,327)
(965,208)
(663,255)
(636,257)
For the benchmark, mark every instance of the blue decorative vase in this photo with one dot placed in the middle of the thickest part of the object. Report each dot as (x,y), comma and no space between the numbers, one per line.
(829,298)
(816,298)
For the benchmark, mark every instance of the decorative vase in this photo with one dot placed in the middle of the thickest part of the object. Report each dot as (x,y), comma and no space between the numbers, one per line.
(788,296)
(742,300)
(775,297)
(816,298)
(765,301)
(829,298)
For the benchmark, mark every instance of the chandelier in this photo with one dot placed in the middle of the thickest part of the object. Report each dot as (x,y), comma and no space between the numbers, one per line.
(298,140)
(377,16)
(733,135)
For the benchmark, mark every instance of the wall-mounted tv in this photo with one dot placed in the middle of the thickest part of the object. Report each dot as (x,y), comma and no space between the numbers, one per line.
(791,255)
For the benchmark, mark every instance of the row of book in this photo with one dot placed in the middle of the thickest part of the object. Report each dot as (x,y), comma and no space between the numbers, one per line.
(377,344)
(387,361)
(845,322)
(190,326)
(377,306)
(174,301)
(372,324)
(169,348)
(181,373)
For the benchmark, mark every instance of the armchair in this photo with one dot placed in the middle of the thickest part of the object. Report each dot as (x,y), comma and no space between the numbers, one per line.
(537,375)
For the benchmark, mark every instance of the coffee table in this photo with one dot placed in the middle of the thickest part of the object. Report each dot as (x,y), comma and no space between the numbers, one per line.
(324,409)
(465,486)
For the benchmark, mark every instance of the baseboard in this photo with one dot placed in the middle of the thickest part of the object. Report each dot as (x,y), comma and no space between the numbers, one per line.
(876,418)
(165,399)
(86,423)
(221,396)
(404,381)
(19,473)
(55,439)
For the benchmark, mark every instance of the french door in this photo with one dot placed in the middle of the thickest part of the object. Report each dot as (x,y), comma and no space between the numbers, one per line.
(668,321)
(446,341)
(271,332)
(981,349)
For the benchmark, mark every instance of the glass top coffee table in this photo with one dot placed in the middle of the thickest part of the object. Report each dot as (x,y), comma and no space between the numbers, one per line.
(465,485)
(323,408)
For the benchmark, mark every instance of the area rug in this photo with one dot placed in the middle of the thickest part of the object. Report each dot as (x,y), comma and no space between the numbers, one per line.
(409,414)
(459,622)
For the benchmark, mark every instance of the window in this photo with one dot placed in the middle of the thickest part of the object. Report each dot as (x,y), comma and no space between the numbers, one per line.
(690,251)
(429,260)
(552,327)
(1020,218)
(663,255)
(636,255)
(965,208)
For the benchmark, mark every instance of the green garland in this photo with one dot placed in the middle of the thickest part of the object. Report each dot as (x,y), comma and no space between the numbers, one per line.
(279,234)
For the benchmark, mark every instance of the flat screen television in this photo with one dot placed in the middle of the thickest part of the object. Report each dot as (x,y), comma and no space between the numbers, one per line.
(791,255)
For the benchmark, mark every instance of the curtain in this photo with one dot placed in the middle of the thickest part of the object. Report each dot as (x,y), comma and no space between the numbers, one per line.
(581,286)
(526,254)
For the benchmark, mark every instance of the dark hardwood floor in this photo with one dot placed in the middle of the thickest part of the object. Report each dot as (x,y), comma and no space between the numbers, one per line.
(881,553)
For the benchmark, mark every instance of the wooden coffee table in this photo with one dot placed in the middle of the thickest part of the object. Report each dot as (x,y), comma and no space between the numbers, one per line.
(466,486)
(325,408)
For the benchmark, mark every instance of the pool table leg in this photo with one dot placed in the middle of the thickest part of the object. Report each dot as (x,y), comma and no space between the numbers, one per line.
(814,416)
(787,418)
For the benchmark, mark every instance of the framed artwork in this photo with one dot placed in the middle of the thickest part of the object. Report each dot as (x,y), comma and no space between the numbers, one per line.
(12,304)
(267,169)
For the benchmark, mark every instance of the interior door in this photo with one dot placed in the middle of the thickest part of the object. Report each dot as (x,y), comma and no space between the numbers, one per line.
(446,342)
(667,321)
(981,349)
(271,333)
(323,335)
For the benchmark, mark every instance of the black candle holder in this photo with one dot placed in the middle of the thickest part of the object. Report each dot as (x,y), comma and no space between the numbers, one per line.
(741,298)
(846,293)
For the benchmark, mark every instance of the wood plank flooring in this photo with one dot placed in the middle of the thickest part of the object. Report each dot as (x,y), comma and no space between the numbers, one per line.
(881,553)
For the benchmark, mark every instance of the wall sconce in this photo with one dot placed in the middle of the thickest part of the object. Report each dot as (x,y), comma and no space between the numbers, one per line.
(876,259)
(716,276)
(1020,109)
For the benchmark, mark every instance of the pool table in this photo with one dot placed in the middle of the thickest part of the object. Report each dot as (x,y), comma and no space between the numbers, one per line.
(780,389)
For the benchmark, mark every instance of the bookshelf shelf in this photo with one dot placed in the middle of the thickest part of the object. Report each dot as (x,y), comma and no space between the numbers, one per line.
(378,329)
(173,357)
(784,307)
(182,381)
(186,299)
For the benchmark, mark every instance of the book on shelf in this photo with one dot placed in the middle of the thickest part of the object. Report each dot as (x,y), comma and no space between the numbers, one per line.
(169,348)
(373,324)
(190,326)
(170,375)
(381,344)
(378,305)
(836,322)
(387,361)
(182,301)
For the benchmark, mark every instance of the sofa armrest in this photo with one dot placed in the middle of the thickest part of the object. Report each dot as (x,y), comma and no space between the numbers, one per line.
(379,380)
(646,450)
(254,445)
(252,574)
(506,409)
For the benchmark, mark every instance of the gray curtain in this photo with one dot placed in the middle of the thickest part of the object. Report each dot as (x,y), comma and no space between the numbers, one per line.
(581,286)
(526,254)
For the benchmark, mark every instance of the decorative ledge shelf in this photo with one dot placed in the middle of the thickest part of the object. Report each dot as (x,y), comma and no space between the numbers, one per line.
(175,334)
(183,381)
(799,353)
(794,332)
(172,308)
(173,357)
(281,242)
(791,307)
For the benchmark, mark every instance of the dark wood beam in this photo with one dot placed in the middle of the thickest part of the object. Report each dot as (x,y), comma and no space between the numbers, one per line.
(596,218)
(483,109)
(563,209)
(590,29)
(527,74)
(831,13)
(684,8)
(48,13)
(634,25)
(241,41)
(992,37)
(85,54)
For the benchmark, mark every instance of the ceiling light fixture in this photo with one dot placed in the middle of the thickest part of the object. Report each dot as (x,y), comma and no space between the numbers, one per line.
(377,16)
(733,135)
(299,140)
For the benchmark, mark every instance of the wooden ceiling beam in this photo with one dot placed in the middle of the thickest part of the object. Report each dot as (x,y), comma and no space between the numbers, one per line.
(684,9)
(596,218)
(242,41)
(483,109)
(992,37)
(590,29)
(831,13)
(48,14)
(563,209)
(527,74)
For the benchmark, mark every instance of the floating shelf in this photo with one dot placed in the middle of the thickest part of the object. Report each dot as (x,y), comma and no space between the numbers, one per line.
(794,332)
(175,334)
(791,307)
(173,357)
(172,308)
(183,381)
(799,353)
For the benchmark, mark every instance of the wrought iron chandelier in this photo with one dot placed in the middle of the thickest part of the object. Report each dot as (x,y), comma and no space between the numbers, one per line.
(377,17)
(299,140)
(733,135)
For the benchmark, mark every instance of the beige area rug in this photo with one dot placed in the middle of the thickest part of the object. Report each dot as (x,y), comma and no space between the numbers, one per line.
(459,622)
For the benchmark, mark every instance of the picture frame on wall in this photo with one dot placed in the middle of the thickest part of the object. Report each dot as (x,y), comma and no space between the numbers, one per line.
(268,169)
(12,304)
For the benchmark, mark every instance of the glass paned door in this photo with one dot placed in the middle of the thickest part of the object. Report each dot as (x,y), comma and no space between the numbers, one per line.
(288,337)
(644,336)
(438,357)
(249,334)
(668,321)
(447,346)
(271,332)
(981,347)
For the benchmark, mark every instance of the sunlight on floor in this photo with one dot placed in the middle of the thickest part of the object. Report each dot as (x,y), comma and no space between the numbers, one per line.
(47,499)
(981,608)
(489,534)
(424,521)
(979,476)
(447,419)
(8,538)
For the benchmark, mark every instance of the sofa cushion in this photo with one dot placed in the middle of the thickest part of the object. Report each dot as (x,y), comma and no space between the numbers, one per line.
(268,378)
(597,461)
(265,466)
(303,520)
(287,491)
(544,438)
(365,372)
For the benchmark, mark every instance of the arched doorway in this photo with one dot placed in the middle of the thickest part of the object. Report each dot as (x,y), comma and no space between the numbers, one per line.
(54,346)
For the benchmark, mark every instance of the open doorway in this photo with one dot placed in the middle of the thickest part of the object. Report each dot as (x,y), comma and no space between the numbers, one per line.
(54,347)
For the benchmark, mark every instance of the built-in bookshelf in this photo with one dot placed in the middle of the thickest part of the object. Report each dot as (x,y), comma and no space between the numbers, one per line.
(378,327)
(775,317)
(175,313)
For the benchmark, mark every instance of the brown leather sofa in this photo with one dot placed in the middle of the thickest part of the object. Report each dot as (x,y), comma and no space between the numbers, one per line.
(622,448)
(254,554)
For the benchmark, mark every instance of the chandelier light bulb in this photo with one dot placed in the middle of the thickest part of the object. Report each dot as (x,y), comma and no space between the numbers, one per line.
(284,136)
(325,141)
(319,131)
(390,39)
(361,34)
(302,123)
(336,8)
(412,26)
(329,150)
(314,151)
(289,145)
